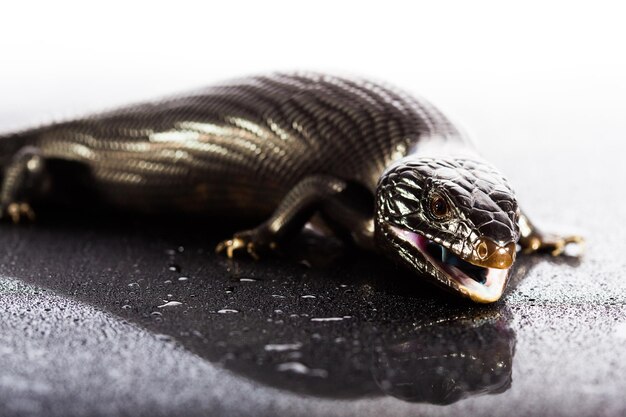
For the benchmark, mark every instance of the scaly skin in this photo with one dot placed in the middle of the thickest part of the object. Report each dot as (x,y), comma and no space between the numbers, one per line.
(281,148)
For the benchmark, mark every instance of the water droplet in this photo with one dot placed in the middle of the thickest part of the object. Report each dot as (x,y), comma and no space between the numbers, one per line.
(247,280)
(229,290)
(156,314)
(278,296)
(183,278)
(282,347)
(278,311)
(168,281)
(307,296)
(170,252)
(180,249)
(126,307)
(164,337)
(169,304)
(133,285)
(301,369)
(227,311)
(327,319)
(174,268)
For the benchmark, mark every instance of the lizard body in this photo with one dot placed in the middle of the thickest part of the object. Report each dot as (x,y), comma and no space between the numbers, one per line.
(387,168)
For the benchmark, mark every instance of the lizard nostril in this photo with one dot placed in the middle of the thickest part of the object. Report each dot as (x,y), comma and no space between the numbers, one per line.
(482,250)
(490,254)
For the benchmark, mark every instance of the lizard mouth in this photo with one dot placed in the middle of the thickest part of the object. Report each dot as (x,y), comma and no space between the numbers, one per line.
(481,284)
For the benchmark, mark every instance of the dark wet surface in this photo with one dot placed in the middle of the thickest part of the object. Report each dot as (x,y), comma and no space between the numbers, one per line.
(338,326)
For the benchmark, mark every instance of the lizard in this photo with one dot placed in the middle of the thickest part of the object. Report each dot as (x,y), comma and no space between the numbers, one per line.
(382,168)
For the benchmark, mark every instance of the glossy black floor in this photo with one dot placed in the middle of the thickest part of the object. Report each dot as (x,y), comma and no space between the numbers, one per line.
(322,320)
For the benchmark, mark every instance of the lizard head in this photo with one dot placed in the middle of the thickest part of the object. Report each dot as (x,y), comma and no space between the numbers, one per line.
(454,221)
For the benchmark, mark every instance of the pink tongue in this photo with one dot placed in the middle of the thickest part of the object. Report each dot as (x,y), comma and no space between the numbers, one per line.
(417,240)
(421,242)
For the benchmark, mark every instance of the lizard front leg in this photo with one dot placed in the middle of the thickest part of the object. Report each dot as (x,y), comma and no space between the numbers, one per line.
(532,240)
(21,180)
(335,199)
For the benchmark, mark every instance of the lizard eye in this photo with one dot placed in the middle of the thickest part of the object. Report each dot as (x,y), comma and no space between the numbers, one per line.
(439,207)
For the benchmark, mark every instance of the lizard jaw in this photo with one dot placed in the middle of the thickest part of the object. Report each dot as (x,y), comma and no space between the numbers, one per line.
(481,284)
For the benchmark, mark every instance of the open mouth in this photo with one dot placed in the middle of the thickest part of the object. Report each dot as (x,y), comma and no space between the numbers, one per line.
(481,284)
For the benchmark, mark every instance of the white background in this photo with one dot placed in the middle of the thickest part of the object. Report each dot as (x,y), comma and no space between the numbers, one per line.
(508,71)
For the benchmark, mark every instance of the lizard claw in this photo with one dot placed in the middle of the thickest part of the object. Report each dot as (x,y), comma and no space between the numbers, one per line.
(250,247)
(244,240)
(561,243)
(553,244)
(20,211)
(230,246)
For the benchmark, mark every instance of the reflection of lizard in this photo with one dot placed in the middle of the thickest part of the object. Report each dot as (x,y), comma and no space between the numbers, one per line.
(447,360)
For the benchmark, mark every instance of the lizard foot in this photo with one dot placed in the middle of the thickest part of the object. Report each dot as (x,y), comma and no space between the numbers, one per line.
(247,241)
(18,212)
(553,244)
